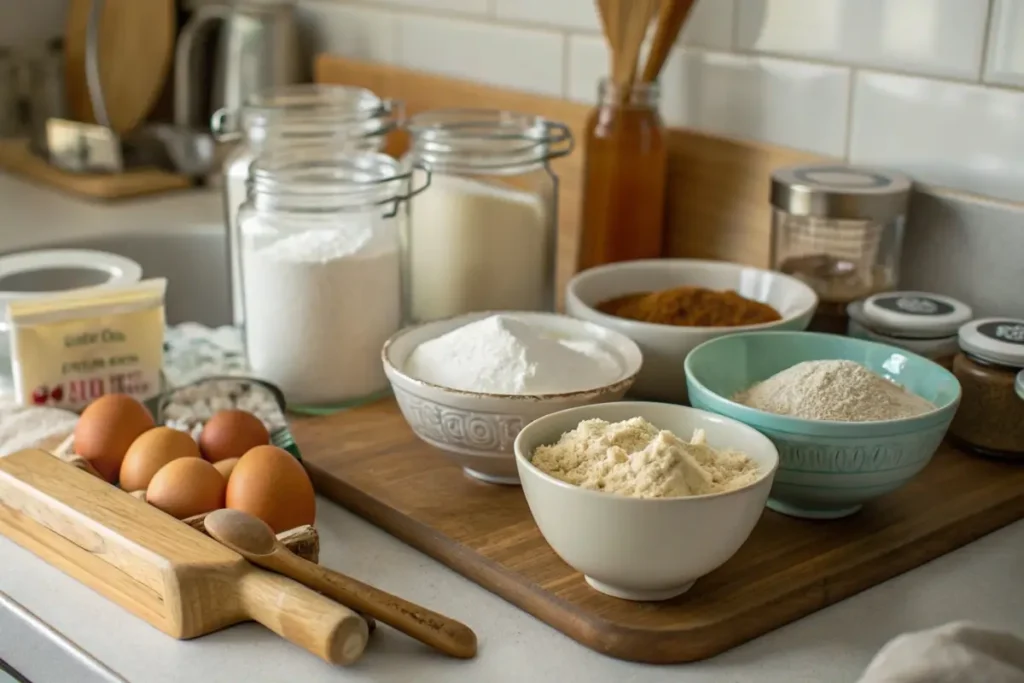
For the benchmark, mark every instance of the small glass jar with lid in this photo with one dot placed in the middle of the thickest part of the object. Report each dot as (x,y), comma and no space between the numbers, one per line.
(922,322)
(305,115)
(990,419)
(839,229)
(321,272)
(483,235)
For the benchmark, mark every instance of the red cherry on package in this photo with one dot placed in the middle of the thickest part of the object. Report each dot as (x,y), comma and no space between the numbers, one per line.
(40,395)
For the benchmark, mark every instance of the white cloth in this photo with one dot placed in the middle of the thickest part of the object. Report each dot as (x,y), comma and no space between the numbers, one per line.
(959,652)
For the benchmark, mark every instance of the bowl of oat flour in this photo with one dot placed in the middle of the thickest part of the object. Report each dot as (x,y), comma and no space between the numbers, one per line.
(852,419)
(467,385)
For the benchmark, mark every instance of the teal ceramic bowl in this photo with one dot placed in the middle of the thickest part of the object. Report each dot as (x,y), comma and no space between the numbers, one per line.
(827,469)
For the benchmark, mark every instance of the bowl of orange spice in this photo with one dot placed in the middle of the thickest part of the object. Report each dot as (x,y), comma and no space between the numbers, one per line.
(670,306)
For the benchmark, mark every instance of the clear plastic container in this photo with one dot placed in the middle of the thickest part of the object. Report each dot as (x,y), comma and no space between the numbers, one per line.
(294,116)
(840,230)
(483,235)
(321,272)
(921,322)
(990,419)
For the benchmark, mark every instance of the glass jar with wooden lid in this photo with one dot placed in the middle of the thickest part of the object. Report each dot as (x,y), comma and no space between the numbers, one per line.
(839,229)
(990,419)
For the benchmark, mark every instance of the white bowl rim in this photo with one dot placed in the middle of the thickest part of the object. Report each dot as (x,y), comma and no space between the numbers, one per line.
(794,424)
(633,361)
(628,323)
(632,499)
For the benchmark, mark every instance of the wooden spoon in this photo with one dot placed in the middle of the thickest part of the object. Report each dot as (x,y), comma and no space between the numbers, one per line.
(251,538)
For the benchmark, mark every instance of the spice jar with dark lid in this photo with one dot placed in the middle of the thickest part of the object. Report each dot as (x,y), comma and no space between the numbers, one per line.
(839,229)
(990,418)
(922,322)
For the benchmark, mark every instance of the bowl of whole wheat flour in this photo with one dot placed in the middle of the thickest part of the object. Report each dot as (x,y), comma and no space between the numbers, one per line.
(469,384)
(644,498)
(852,419)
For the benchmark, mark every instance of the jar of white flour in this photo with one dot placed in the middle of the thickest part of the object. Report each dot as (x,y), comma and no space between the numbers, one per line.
(483,235)
(321,273)
(295,116)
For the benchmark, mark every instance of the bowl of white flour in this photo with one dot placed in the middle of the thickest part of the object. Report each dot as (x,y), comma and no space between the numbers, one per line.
(644,498)
(853,419)
(469,384)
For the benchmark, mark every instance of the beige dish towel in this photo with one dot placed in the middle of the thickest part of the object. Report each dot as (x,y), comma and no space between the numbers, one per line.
(959,652)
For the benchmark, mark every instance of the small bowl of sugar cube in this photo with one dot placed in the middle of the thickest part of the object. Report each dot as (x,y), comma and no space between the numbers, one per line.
(852,419)
(467,385)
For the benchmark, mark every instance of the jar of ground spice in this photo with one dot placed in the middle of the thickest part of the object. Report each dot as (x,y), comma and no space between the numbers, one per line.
(839,229)
(990,419)
(921,322)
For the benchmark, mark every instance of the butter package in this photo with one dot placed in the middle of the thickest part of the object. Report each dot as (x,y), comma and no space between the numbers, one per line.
(71,348)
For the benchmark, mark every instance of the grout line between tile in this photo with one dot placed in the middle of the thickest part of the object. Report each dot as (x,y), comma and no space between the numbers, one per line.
(986,37)
(852,89)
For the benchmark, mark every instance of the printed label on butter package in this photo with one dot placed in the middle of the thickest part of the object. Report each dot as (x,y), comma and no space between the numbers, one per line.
(71,348)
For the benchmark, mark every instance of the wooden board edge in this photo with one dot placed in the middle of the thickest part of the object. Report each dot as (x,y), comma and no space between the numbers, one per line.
(668,647)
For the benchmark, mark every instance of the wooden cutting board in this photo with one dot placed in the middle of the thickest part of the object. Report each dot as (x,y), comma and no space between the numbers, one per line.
(18,159)
(135,39)
(370,461)
(163,571)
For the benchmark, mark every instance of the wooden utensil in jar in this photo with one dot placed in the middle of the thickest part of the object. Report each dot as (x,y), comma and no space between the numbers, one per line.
(254,540)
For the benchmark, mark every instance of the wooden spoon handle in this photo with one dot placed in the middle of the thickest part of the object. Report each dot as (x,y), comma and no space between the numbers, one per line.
(436,630)
(329,630)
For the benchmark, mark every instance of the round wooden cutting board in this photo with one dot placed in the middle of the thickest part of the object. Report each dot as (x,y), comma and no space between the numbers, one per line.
(136,49)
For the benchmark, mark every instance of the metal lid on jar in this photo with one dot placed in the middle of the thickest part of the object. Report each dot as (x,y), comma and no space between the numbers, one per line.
(840,191)
(914,315)
(996,340)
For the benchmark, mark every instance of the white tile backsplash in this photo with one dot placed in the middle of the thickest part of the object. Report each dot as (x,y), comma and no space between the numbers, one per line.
(939,37)
(951,134)
(501,55)
(457,6)
(349,31)
(1005,60)
(709,24)
(967,248)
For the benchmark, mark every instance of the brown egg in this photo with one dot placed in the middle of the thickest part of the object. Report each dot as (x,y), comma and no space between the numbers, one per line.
(105,430)
(186,487)
(271,484)
(231,434)
(226,467)
(151,451)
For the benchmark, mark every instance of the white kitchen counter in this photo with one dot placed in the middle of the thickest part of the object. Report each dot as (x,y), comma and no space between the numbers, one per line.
(99,641)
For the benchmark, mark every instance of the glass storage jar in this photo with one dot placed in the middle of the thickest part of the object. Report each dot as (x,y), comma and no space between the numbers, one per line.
(624,177)
(321,272)
(306,115)
(921,322)
(990,419)
(483,235)
(839,229)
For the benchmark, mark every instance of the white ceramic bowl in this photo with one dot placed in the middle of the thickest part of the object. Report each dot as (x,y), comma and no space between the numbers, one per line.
(478,430)
(664,347)
(644,548)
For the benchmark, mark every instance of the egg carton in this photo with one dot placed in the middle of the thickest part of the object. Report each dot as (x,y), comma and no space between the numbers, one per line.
(189,406)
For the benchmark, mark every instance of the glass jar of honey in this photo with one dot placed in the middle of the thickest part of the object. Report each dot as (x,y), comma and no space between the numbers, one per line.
(624,177)
(990,419)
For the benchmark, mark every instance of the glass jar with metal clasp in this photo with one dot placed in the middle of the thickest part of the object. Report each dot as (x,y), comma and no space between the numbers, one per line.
(294,116)
(483,236)
(321,271)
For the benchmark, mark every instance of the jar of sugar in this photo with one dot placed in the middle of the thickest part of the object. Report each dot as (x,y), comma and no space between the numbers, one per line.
(304,115)
(321,272)
(483,236)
